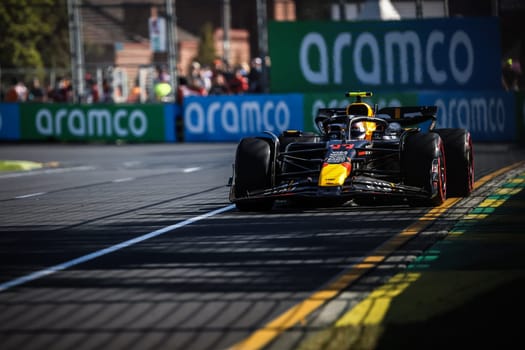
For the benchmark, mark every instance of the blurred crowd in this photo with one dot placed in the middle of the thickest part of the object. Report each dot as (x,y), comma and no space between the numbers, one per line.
(215,79)
(511,75)
(62,91)
(201,80)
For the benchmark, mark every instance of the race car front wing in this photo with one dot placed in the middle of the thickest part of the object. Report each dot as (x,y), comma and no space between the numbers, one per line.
(360,186)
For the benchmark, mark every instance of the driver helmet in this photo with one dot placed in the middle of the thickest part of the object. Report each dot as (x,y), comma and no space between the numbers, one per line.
(358,131)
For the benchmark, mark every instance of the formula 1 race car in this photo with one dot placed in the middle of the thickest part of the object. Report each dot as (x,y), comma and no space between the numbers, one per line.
(360,153)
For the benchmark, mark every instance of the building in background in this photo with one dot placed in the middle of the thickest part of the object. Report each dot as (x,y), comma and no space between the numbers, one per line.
(117,38)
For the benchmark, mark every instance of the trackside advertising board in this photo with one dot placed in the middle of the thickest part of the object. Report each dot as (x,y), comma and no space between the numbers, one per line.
(102,122)
(229,118)
(492,115)
(430,54)
(9,121)
(488,115)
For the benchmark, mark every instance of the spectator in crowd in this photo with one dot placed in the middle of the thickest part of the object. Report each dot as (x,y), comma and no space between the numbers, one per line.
(198,88)
(511,74)
(207,76)
(53,93)
(17,91)
(197,80)
(134,95)
(162,75)
(12,95)
(62,92)
(239,83)
(218,67)
(92,93)
(218,85)
(255,76)
(107,92)
(36,92)
(68,90)
(184,90)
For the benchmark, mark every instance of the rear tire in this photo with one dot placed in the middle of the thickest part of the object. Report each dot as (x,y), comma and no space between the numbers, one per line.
(423,164)
(460,161)
(252,172)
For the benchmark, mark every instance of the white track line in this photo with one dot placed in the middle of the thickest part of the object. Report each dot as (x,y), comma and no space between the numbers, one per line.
(50,270)
(30,195)
(191,170)
(125,179)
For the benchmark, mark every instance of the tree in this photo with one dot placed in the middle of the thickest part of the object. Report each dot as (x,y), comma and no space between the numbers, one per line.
(34,34)
(206,53)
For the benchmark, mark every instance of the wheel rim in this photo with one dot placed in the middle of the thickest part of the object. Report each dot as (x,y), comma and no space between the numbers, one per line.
(439,179)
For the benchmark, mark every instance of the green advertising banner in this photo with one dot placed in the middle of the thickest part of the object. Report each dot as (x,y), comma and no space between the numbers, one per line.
(312,103)
(100,122)
(429,54)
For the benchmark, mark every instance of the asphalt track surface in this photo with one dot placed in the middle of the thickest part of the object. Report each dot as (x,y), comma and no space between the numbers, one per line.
(137,247)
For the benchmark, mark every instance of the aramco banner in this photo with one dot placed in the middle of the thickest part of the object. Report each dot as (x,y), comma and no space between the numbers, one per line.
(432,54)
(9,121)
(229,118)
(102,122)
(488,115)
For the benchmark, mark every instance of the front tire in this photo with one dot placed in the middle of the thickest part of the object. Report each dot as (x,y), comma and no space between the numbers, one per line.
(423,164)
(252,172)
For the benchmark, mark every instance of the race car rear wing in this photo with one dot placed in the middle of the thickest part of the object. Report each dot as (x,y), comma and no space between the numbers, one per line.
(408,111)
(393,112)
(409,115)
(405,116)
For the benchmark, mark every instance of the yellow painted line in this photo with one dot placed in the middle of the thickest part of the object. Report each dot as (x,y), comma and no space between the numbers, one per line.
(491,203)
(371,310)
(490,176)
(507,191)
(475,217)
(19,165)
(298,313)
(24,165)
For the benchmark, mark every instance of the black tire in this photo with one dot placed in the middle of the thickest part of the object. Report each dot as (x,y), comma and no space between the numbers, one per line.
(252,172)
(460,161)
(423,166)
